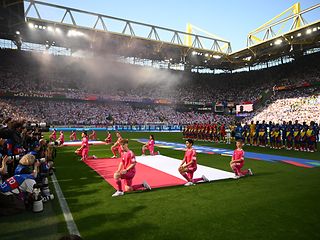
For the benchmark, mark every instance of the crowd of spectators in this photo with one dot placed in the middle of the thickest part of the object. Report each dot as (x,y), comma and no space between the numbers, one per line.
(94,113)
(119,87)
(299,104)
(77,78)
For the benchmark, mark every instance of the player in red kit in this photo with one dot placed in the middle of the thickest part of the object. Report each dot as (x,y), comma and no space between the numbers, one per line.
(126,171)
(116,147)
(108,139)
(237,161)
(189,165)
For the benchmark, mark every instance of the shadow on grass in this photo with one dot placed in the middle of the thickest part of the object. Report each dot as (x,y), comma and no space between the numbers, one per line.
(29,225)
(121,225)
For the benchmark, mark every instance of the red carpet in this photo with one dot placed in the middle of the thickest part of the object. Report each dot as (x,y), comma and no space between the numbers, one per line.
(106,167)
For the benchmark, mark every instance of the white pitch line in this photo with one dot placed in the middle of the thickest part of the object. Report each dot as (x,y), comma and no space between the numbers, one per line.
(71,225)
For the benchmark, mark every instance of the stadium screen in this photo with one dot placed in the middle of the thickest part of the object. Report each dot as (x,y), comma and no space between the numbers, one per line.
(244,110)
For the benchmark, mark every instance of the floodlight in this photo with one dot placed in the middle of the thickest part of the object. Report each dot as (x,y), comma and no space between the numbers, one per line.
(278,41)
(50,29)
(58,30)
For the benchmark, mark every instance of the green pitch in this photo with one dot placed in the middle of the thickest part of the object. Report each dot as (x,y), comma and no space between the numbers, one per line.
(280,201)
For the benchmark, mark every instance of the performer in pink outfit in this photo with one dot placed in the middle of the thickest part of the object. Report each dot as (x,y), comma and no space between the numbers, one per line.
(61,138)
(149,146)
(126,171)
(73,136)
(189,165)
(237,161)
(116,147)
(83,151)
(108,139)
(93,135)
(53,136)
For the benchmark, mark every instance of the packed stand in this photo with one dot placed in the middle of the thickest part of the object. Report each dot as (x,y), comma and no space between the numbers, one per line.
(71,113)
(299,104)
(31,72)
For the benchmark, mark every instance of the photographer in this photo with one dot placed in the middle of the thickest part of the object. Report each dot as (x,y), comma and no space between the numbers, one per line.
(4,161)
(12,144)
(28,165)
(16,193)
(44,165)
(12,130)
(8,165)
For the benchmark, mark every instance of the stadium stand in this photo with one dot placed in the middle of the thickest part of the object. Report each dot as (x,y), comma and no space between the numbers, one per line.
(62,95)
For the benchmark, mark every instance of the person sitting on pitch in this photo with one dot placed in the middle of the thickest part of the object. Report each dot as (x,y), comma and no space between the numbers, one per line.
(189,165)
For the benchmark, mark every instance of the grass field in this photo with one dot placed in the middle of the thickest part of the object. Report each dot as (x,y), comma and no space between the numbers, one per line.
(280,201)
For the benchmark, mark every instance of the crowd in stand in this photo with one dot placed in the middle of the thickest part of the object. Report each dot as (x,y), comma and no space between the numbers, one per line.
(84,113)
(300,104)
(79,78)
(26,161)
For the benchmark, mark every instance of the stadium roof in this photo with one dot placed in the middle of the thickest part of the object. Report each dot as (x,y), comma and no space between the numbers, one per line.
(156,43)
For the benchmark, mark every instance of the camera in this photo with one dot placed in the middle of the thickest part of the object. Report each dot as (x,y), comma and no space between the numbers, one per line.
(37,199)
(46,194)
(15,157)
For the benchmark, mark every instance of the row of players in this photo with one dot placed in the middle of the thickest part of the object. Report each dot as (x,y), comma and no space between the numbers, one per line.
(127,170)
(73,136)
(300,137)
(93,136)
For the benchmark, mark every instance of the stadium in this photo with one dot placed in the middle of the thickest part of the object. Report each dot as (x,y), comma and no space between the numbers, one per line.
(117,128)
